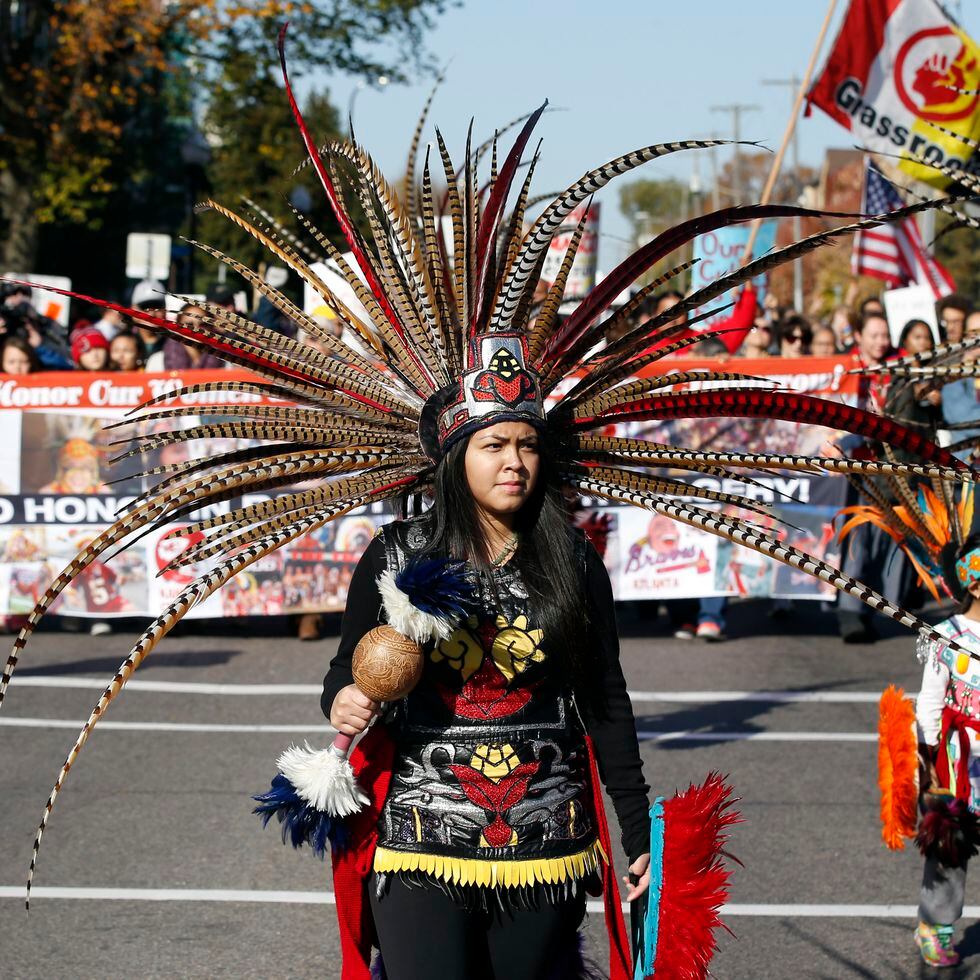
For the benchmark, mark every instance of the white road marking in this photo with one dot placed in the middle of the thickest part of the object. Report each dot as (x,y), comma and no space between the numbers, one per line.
(165,687)
(764,697)
(645,735)
(165,726)
(328,898)
(652,697)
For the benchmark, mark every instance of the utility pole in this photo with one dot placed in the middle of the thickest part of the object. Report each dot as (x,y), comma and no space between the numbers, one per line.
(793,84)
(736,109)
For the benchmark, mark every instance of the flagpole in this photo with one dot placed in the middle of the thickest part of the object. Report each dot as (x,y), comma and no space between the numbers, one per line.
(791,126)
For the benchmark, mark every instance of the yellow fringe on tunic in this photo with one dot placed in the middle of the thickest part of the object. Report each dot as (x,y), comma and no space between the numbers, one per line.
(493,874)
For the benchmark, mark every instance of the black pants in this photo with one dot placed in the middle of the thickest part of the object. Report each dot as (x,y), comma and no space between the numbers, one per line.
(423,934)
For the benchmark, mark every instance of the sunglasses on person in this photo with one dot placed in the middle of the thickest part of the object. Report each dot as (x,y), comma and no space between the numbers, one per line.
(796,338)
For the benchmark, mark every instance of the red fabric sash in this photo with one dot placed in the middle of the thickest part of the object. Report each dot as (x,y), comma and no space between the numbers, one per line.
(371,761)
(955,722)
(619,945)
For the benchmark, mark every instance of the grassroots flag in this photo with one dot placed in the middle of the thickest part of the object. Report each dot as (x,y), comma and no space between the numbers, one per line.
(894,252)
(898,70)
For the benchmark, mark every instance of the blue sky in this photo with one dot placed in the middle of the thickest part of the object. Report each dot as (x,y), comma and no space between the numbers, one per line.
(626,72)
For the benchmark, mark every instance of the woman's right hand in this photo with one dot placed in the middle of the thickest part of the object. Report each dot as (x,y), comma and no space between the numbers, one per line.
(352,710)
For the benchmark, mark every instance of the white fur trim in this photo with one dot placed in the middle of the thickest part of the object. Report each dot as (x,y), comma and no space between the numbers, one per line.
(409,620)
(323,778)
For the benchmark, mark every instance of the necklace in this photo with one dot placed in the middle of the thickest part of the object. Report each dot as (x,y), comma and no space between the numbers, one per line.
(508,549)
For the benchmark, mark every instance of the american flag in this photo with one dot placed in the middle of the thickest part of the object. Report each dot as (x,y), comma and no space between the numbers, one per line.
(894,252)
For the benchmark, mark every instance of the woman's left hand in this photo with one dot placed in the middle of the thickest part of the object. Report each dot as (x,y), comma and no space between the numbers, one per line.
(641,868)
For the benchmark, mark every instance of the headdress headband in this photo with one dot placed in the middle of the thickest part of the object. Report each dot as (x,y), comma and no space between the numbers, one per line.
(968,568)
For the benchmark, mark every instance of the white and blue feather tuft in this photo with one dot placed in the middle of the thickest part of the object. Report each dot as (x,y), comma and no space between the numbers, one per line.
(427,599)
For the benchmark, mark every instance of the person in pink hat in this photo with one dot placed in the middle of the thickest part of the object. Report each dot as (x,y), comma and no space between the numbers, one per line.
(90,350)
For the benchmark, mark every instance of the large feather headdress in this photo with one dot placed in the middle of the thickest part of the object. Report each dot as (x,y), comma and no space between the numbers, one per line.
(436,314)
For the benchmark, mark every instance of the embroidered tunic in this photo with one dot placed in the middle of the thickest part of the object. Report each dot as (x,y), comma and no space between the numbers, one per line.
(490,785)
(951,681)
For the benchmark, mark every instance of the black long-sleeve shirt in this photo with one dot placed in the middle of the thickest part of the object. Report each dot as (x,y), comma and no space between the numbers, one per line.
(614,734)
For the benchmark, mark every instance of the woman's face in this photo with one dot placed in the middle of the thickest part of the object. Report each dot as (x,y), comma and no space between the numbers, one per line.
(918,339)
(792,344)
(502,463)
(15,361)
(191,317)
(759,337)
(94,359)
(124,354)
(823,344)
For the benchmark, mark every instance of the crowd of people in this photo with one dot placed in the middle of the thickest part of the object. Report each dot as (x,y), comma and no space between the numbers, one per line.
(862,333)
(768,329)
(106,340)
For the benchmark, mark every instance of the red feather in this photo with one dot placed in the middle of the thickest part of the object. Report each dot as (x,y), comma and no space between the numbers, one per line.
(777,405)
(350,233)
(627,272)
(695,879)
(495,205)
(212,343)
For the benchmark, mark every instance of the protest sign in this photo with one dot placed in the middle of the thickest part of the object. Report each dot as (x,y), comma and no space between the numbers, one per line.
(581,277)
(147,256)
(721,252)
(899,69)
(910,303)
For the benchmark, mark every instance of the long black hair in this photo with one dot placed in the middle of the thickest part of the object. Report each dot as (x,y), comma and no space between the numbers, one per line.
(549,563)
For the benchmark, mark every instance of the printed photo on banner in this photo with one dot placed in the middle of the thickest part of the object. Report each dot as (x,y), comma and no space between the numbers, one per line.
(815,534)
(601,527)
(166,583)
(32,556)
(11,451)
(661,559)
(70,453)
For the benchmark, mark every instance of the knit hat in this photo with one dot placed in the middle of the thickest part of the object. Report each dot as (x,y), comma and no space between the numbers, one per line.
(87,339)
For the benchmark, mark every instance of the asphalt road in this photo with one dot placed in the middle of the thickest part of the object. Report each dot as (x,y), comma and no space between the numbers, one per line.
(154,867)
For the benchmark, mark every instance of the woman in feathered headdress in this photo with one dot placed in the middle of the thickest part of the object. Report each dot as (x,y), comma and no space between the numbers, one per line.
(482,790)
(490,829)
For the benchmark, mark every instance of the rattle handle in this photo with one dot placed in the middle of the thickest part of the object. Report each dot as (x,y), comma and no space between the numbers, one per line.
(342,743)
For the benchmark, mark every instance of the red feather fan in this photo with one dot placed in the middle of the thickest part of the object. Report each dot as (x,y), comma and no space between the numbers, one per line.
(695,878)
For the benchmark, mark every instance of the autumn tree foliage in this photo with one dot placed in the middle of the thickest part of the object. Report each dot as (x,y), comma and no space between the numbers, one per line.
(95,98)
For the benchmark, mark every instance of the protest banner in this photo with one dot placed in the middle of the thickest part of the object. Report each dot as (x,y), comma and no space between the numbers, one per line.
(722,252)
(55,495)
(899,69)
